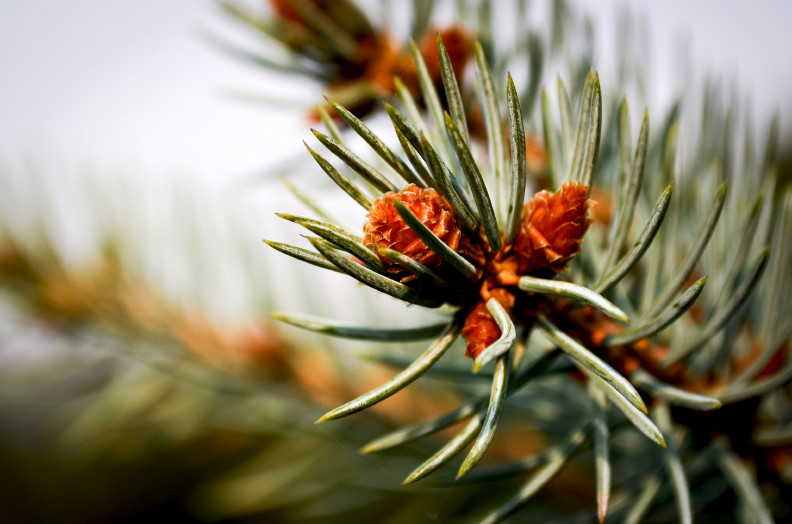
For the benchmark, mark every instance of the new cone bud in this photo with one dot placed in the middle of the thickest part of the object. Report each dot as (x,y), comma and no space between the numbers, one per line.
(480,330)
(552,228)
(385,228)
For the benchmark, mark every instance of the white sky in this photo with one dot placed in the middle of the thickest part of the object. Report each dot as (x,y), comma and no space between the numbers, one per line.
(124,85)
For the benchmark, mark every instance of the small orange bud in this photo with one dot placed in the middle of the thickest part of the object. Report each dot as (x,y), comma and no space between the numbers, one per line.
(480,330)
(385,228)
(552,228)
(384,60)
(459,45)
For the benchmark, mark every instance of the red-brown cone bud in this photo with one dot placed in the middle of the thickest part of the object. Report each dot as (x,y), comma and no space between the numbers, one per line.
(552,228)
(480,330)
(459,45)
(385,228)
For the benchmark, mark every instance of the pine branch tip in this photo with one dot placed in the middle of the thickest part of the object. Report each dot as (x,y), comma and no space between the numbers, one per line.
(367,450)
(602,506)
(330,415)
(412,477)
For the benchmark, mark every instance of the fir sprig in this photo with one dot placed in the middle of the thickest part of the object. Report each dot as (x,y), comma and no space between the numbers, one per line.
(579,327)
(632,305)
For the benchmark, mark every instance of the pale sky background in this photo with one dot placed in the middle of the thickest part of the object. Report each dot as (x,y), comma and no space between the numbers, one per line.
(127,91)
